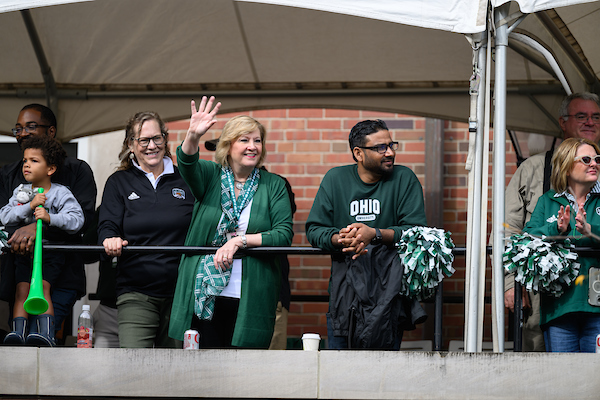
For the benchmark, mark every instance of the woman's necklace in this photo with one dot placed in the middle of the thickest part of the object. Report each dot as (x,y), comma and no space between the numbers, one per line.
(239,185)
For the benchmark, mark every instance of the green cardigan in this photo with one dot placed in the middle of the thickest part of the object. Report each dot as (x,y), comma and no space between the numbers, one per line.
(575,298)
(270,215)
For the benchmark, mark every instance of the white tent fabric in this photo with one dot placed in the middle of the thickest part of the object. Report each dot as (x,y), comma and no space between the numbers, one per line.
(461,16)
(532,6)
(111,58)
(15,5)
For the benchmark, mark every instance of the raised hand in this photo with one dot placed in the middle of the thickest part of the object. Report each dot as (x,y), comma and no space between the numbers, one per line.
(203,118)
(564,217)
(581,222)
(200,122)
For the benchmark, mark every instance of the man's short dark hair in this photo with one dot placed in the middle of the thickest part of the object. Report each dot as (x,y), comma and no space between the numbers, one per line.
(52,151)
(359,132)
(48,117)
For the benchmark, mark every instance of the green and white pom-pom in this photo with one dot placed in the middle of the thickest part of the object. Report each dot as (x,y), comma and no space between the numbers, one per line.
(541,265)
(426,254)
(3,240)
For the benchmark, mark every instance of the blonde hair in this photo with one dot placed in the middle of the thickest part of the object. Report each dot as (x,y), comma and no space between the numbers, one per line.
(233,129)
(563,161)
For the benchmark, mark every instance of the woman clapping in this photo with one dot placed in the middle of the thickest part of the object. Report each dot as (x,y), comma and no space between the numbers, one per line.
(571,322)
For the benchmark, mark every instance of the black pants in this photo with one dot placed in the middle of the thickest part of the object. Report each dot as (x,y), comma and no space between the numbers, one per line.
(218,332)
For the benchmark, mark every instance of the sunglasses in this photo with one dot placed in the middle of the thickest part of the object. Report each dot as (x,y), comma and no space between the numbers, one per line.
(587,160)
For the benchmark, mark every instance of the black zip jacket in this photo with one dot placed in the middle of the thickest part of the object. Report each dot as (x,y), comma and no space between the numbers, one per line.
(133,210)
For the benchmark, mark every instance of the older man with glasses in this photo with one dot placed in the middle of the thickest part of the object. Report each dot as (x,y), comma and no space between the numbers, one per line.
(359,213)
(579,118)
(36,119)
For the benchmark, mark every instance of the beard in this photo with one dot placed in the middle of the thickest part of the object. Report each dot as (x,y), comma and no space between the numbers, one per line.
(380,167)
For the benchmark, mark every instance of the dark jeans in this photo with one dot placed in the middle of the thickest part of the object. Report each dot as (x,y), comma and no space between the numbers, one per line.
(63,301)
(572,333)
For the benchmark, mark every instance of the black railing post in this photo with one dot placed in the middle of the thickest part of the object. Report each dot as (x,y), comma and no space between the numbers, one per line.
(437,325)
(518,318)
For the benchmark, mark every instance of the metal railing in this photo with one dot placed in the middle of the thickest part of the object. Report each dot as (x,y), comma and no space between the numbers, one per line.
(438,299)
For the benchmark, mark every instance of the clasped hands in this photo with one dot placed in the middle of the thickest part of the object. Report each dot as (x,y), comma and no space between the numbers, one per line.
(581,224)
(355,238)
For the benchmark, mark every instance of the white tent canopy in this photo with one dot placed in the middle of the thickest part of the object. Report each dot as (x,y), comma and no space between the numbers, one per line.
(107,59)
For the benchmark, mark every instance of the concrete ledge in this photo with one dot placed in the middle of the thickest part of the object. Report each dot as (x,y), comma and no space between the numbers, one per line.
(18,370)
(179,373)
(296,374)
(441,375)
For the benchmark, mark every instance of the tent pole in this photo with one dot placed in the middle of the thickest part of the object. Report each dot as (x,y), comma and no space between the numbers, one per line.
(476,127)
(499,184)
(524,39)
(51,92)
(483,200)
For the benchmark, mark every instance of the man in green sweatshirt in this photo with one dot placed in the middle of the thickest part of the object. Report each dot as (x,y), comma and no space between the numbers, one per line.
(370,202)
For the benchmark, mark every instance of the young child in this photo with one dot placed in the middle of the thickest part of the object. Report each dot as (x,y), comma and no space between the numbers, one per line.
(42,156)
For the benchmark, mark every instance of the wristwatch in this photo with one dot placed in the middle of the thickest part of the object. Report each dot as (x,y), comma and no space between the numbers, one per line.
(244,241)
(378,239)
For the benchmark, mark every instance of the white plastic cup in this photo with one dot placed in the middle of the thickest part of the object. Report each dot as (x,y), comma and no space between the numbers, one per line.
(310,341)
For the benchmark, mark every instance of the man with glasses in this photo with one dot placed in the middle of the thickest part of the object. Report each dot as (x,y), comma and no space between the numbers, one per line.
(36,119)
(579,118)
(359,209)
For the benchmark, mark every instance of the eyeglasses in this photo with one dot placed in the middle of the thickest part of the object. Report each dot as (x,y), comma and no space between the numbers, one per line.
(587,160)
(583,118)
(29,128)
(381,148)
(144,142)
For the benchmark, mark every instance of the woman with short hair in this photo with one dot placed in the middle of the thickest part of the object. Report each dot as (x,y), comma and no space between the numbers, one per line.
(231,302)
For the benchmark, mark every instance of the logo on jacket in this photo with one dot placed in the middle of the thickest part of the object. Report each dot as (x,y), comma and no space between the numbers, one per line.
(552,219)
(598,210)
(365,209)
(178,193)
(133,196)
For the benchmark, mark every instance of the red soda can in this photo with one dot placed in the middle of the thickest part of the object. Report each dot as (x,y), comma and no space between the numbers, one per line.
(191,340)
(598,344)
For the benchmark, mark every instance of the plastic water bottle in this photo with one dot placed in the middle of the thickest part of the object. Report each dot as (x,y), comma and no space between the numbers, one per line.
(85,328)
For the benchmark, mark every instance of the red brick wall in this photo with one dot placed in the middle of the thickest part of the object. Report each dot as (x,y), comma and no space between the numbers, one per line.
(303,144)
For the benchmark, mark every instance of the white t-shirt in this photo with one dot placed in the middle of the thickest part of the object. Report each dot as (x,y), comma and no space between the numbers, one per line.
(234,287)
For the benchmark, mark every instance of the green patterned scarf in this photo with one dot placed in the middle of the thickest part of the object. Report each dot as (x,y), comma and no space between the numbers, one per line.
(210,280)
